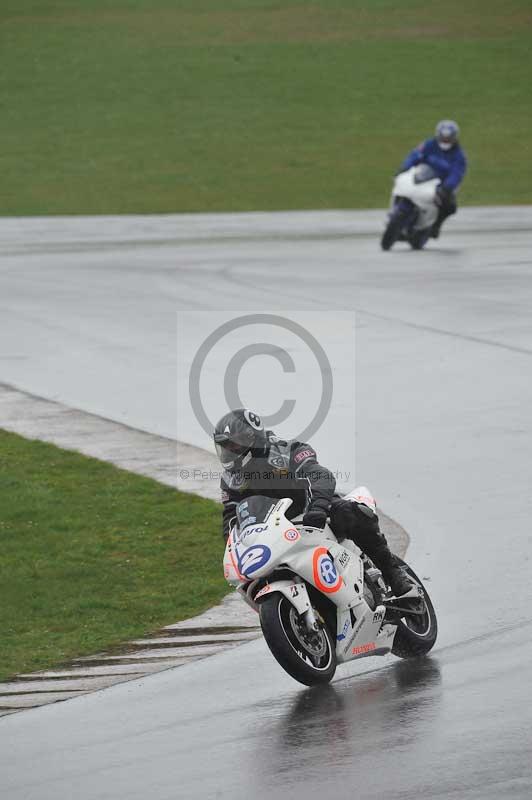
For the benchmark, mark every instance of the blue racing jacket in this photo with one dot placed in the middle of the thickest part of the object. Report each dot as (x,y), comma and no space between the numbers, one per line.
(450,164)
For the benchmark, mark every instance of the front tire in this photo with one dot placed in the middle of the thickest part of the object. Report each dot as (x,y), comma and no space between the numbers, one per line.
(416,634)
(403,214)
(310,659)
(391,234)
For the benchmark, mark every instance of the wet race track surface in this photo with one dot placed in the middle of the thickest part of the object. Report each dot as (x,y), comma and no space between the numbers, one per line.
(444,437)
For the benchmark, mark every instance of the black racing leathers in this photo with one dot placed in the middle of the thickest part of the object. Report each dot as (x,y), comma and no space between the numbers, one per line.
(281,469)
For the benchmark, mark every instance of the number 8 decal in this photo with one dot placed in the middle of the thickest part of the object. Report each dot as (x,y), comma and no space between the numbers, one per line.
(253,419)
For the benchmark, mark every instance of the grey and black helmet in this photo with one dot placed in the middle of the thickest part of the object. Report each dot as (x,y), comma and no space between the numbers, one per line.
(236,435)
(447,132)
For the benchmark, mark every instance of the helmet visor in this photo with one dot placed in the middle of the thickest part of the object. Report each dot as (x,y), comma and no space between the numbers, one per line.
(446,133)
(228,451)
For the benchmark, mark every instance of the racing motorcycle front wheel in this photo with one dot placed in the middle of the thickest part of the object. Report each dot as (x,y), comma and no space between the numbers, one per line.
(391,234)
(416,632)
(401,216)
(308,656)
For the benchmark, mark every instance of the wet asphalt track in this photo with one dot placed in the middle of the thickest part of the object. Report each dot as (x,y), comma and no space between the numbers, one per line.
(444,436)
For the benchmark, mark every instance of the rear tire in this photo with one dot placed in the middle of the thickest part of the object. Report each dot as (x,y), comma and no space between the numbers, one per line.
(310,662)
(419,239)
(415,634)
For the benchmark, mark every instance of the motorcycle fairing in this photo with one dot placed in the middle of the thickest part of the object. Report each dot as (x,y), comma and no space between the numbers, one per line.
(295,592)
(421,194)
(317,558)
(363,634)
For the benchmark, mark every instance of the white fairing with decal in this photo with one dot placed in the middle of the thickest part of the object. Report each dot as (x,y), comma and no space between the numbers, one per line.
(423,195)
(315,558)
(362,495)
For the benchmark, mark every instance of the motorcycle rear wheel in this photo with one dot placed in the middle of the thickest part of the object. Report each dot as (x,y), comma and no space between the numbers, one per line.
(416,634)
(419,239)
(310,659)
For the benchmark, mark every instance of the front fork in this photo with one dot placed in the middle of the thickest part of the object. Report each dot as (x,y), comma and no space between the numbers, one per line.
(297,595)
(404,210)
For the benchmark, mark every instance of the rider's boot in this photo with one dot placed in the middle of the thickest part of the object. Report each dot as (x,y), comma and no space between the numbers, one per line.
(435,230)
(392,572)
(445,211)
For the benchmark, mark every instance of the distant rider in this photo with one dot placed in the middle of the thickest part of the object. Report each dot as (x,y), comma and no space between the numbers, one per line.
(444,154)
(256,462)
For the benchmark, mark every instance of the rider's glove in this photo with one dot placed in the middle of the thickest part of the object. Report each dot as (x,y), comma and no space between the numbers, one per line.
(315,518)
(443,196)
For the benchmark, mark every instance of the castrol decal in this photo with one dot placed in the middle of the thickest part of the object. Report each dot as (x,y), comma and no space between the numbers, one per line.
(326,575)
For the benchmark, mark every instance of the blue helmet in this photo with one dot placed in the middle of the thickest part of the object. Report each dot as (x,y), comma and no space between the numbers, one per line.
(447,132)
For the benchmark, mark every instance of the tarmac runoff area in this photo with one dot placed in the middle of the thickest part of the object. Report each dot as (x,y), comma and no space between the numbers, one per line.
(225,626)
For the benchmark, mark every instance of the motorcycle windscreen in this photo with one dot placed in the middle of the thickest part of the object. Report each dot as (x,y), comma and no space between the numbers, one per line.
(424,172)
(254,510)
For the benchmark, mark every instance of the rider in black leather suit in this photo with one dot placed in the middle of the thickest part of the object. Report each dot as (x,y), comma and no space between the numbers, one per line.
(256,462)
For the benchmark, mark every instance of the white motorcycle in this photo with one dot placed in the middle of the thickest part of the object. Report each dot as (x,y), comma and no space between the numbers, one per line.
(413,209)
(321,602)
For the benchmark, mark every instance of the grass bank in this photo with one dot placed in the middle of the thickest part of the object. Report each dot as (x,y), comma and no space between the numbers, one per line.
(91,555)
(196,105)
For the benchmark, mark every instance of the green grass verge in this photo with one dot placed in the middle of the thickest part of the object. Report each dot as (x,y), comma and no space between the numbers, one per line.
(196,105)
(91,555)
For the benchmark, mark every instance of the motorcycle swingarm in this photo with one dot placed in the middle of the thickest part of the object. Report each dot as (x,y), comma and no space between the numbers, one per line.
(408,604)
